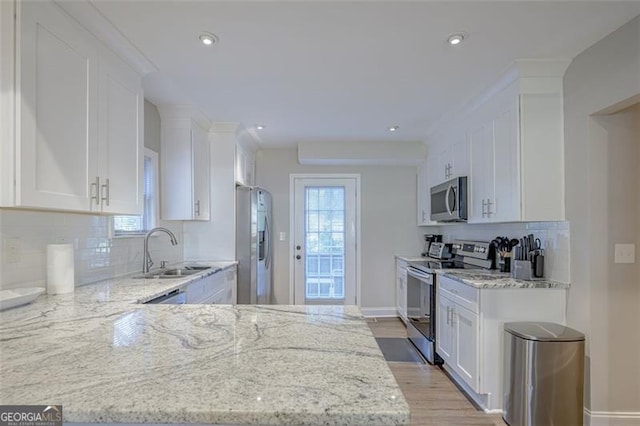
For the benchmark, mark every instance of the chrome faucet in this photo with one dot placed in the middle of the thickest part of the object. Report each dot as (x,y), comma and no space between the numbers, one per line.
(147,263)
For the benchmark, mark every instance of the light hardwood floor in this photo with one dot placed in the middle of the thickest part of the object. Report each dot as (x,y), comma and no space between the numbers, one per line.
(432,397)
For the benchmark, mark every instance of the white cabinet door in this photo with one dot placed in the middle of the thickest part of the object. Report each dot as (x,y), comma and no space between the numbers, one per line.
(460,157)
(444,329)
(231,285)
(201,174)
(401,289)
(423,201)
(120,137)
(427,172)
(482,168)
(184,171)
(245,166)
(505,205)
(57,110)
(466,332)
(444,170)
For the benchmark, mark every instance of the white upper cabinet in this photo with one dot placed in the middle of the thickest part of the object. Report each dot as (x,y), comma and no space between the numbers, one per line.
(245,165)
(452,159)
(120,137)
(517,150)
(510,143)
(185,166)
(201,174)
(58,111)
(78,115)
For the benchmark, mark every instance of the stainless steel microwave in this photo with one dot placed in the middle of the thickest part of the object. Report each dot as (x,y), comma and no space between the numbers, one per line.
(449,201)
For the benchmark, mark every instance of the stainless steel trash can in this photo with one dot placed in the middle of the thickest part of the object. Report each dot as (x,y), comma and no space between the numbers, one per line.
(543,374)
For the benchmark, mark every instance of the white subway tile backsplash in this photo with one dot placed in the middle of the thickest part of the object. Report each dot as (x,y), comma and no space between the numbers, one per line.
(553,235)
(97,254)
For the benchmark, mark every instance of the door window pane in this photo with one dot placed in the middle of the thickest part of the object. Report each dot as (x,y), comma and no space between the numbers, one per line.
(324,242)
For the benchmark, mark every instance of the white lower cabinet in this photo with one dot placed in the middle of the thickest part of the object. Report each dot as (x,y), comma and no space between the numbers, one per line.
(465,332)
(217,289)
(457,333)
(401,289)
(470,331)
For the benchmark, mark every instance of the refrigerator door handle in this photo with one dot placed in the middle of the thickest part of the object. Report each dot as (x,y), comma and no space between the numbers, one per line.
(267,243)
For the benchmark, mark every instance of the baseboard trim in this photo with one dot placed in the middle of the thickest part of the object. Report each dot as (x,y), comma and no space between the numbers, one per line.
(379,312)
(611,418)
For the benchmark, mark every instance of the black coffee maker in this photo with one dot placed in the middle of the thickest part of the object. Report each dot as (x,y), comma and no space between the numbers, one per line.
(428,239)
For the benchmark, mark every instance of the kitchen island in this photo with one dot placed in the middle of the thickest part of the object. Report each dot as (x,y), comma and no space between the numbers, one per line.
(107,359)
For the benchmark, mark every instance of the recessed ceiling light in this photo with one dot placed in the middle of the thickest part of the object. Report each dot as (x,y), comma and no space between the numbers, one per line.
(455,39)
(208,38)
(260,126)
(393,128)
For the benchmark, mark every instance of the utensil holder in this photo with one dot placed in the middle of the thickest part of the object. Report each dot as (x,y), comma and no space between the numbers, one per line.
(505,264)
(523,270)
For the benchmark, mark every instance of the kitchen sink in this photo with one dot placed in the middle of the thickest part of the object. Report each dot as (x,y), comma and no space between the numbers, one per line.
(178,272)
(173,273)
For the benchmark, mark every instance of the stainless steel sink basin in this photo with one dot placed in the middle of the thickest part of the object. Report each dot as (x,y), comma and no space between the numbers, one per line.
(178,272)
(197,267)
(173,273)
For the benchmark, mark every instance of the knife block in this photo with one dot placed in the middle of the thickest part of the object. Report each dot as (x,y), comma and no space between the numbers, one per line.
(523,270)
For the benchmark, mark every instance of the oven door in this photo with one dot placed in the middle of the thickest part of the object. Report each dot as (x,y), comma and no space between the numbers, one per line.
(421,327)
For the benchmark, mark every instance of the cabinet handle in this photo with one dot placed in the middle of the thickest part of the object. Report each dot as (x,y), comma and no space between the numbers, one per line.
(489,204)
(423,219)
(484,204)
(95,189)
(198,208)
(448,308)
(106,193)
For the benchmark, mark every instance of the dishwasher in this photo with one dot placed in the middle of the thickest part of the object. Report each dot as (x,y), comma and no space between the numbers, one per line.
(175,297)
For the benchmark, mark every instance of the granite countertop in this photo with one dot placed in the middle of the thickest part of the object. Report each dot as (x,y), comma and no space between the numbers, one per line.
(493,279)
(410,258)
(107,359)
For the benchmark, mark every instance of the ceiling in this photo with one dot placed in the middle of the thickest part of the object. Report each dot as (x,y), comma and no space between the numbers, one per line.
(346,71)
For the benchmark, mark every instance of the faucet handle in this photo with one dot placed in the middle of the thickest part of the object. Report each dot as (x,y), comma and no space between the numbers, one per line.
(163,264)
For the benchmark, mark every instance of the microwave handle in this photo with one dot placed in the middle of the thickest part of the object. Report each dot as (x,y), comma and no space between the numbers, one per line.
(446,199)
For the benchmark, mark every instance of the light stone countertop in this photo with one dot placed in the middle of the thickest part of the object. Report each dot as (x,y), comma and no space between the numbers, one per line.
(494,279)
(410,258)
(107,359)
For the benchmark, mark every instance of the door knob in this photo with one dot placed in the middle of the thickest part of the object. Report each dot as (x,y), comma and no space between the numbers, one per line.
(298,257)
(298,247)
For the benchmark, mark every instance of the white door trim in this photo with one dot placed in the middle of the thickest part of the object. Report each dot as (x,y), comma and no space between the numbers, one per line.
(292,178)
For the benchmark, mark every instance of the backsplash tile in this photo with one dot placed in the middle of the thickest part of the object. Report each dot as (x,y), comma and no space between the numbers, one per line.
(553,235)
(97,254)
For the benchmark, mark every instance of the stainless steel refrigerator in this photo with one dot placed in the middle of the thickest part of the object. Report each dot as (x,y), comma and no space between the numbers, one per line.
(253,245)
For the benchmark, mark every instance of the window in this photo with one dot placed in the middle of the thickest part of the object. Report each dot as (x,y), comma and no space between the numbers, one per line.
(127,225)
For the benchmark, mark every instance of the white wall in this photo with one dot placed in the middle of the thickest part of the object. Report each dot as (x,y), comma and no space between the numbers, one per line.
(388,227)
(97,254)
(601,166)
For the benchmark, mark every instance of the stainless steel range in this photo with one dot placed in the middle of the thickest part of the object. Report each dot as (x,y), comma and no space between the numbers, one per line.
(421,287)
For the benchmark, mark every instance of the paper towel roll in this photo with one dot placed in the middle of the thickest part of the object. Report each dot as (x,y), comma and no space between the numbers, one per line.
(60,273)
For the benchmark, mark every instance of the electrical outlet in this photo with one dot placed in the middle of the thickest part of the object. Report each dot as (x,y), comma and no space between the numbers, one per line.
(12,250)
(624,253)
(283,236)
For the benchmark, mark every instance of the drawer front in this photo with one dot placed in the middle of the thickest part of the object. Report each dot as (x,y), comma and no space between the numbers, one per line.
(465,295)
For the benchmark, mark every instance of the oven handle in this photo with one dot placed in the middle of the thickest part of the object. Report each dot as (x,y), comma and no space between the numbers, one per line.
(428,278)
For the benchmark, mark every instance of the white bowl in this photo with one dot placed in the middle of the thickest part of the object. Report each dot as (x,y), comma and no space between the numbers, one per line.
(19,296)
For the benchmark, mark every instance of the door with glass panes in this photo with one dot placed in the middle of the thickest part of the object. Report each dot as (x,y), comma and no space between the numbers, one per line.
(325,241)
